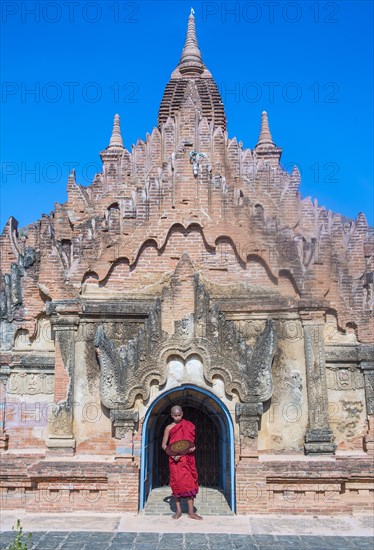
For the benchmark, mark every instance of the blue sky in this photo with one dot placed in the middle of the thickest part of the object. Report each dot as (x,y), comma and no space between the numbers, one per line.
(68,67)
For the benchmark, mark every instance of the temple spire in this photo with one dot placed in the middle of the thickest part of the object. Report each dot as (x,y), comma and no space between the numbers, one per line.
(116,138)
(265,135)
(266,148)
(191,62)
(192,84)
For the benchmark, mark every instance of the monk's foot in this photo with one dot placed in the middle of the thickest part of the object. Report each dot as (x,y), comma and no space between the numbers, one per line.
(177,515)
(194,516)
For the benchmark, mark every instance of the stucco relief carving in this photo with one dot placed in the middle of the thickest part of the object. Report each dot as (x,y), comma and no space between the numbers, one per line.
(249,417)
(185,329)
(352,410)
(368,292)
(293,386)
(30,383)
(286,419)
(60,421)
(11,295)
(344,378)
(369,386)
(123,422)
(128,370)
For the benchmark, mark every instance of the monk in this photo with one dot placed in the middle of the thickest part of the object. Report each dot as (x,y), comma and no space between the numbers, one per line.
(183,474)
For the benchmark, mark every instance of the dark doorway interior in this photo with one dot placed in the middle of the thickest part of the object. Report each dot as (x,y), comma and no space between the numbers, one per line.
(207,447)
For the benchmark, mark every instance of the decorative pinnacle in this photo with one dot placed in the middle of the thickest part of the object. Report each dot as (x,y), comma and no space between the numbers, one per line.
(72,176)
(265,135)
(116,138)
(191,62)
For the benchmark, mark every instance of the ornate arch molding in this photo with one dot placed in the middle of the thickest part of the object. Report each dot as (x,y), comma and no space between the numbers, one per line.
(244,247)
(127,371)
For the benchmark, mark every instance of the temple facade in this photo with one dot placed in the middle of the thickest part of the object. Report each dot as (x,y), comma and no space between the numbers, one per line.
(189,272)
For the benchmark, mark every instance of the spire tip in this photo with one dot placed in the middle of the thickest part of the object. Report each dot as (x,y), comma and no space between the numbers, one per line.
(191,62)
(265,135)
(116,137)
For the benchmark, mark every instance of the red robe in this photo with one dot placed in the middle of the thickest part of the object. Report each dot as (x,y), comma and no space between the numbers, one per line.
(183,474)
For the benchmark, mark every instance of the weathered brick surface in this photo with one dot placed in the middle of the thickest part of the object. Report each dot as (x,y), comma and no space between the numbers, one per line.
(67,486)
(297,487)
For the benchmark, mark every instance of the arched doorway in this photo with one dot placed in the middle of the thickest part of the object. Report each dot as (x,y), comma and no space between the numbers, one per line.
(208,457)
(214,441)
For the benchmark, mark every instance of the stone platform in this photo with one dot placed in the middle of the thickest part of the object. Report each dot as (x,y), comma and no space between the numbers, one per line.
(208,502)
(108,531)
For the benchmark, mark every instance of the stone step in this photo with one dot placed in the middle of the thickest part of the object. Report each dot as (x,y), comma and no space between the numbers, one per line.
(209,501)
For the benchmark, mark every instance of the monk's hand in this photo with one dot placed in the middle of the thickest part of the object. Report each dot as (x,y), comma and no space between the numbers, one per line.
(177,458)
(192,449)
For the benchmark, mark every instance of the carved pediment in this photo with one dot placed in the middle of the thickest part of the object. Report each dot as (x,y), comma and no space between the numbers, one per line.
(128,370)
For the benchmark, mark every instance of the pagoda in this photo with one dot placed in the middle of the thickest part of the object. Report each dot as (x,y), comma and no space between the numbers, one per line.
(190,272)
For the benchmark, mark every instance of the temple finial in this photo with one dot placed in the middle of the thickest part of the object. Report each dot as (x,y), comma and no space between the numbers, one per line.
(265,135)
(116,138)
(72,176)
(191,61)
(266,148)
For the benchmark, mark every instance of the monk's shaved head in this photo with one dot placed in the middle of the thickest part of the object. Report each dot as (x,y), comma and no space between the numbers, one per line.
(176,409)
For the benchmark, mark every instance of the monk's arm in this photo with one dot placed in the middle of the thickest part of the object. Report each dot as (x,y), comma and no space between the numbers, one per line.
(165,439)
